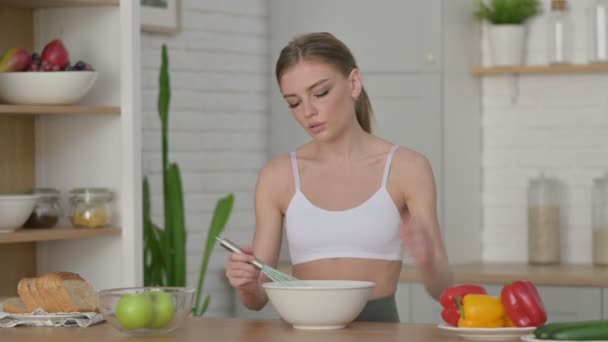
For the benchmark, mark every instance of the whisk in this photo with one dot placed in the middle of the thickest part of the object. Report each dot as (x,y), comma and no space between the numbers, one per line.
(273,274)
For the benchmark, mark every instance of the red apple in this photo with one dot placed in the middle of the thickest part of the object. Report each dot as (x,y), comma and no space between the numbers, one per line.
(15,59)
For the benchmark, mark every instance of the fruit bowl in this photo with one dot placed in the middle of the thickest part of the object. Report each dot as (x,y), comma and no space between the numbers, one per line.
(144,311)
(319,304)
(15,210)
(45,88)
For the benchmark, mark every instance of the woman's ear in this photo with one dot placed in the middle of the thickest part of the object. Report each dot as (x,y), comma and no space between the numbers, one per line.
(354,80)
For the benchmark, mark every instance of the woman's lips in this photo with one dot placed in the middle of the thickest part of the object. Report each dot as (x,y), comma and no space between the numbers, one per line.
(316,127)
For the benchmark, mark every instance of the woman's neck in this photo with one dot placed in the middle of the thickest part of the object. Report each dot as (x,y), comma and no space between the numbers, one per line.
(353,144)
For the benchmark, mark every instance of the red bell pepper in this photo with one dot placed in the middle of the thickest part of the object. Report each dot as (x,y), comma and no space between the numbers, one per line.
(450,312)
(523,304)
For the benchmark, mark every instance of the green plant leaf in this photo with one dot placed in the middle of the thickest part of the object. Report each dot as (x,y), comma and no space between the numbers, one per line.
(164,92)
(205,306)
(221,214)
(507,11)
(178,225)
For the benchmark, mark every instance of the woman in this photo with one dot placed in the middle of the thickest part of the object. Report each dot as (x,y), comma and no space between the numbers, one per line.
(351,201)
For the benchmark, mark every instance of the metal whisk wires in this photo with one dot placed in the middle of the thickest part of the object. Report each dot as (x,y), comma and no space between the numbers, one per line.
(272,273)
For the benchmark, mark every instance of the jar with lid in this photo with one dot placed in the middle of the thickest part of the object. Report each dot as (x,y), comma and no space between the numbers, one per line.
(598,19)
(599,219)
(559,33)
(544,243)
(47,209)
(90,207)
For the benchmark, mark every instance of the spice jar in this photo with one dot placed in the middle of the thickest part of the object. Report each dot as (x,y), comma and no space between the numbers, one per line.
(90,207)
(543,221)
(599,219)
(47,210)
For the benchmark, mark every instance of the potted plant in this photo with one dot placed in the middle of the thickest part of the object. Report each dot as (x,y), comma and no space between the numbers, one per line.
(165,247)
(507,30)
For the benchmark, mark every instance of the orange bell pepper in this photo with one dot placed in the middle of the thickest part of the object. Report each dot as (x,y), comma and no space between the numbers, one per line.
(481,311)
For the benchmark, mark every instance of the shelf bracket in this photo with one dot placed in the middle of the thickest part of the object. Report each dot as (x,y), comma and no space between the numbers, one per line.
(514,80)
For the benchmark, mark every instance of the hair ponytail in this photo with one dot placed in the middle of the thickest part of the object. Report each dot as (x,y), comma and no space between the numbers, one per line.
(363,109)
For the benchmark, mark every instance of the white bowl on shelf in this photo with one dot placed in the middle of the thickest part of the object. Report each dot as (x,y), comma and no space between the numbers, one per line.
(319,304)
(15,210)
(45,87)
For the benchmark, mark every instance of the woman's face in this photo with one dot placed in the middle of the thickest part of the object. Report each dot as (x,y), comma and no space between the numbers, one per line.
(320,98)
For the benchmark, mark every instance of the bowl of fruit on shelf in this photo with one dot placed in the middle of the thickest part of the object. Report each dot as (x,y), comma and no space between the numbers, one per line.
(46,78)
(144,311)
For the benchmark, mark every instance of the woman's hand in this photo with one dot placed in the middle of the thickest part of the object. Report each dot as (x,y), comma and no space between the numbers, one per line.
(241,274)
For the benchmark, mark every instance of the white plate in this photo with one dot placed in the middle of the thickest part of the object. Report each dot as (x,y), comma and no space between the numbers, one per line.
(51,317)
(487,334)
(531,338)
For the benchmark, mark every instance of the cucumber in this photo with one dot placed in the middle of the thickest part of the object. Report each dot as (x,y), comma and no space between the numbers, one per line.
(547,331)
(590,332)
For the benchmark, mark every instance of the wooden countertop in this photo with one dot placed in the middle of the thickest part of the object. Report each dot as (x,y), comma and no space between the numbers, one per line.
(230,329)
(500,273)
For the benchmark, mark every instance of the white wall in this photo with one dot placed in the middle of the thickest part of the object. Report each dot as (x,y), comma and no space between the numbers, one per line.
(218,121)
(559,125)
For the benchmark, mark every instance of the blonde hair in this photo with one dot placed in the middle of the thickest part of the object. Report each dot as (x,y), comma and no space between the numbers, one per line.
(326,47)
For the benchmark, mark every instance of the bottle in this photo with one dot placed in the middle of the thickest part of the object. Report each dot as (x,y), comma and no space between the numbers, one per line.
(599,219)
(598,15)
(559,33)
(544,243)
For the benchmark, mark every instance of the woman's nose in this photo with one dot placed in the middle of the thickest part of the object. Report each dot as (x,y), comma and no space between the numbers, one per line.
(309,109)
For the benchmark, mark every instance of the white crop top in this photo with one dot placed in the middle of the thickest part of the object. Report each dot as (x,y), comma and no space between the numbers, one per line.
(369,230)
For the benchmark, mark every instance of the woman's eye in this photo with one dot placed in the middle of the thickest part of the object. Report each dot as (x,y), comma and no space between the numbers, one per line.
(293,105)
(321,94)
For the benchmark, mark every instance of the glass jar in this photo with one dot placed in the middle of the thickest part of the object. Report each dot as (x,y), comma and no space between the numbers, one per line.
(47,210)
(559,33)
(599,219)
(544,243)
(90,207)
(598,19)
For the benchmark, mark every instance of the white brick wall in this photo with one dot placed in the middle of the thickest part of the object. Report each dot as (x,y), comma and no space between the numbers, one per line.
(558,125)
(218,121)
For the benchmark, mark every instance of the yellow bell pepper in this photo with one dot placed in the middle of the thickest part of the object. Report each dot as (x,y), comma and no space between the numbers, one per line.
(481,311)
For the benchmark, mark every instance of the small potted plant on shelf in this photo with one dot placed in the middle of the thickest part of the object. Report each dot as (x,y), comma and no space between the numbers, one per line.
(507,29)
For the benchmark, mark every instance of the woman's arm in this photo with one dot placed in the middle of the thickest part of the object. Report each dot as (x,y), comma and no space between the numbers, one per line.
(420,227)
(268,231)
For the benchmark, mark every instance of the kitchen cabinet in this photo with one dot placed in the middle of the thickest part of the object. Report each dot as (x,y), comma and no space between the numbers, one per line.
(93,143)
(415,58)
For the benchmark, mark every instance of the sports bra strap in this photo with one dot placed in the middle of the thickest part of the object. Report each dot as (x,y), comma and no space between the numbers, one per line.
(387,167)
(296,172)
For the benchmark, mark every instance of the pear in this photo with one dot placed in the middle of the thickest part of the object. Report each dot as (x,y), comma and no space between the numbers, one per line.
(54,55)
(15,59)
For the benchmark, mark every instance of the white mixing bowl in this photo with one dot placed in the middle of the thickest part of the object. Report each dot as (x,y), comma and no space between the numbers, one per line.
(45,87)
(319,304)
(15,210)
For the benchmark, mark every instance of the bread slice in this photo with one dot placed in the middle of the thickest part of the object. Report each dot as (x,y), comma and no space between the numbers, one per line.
(70,292)
(26,295)
(14,305)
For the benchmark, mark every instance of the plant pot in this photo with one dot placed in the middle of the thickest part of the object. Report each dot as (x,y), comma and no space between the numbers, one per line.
(507,44)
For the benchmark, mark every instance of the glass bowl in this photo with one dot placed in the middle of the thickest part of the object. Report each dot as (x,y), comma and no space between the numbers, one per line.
(142,311)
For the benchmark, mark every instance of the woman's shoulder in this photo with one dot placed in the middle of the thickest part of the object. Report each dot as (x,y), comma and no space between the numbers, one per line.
(408,161)
(277,170)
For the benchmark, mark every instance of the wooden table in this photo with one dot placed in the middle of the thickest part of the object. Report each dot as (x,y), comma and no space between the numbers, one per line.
(241,330)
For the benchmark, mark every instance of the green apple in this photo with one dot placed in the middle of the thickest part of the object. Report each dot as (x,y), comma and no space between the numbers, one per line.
(163,310)
(134,311)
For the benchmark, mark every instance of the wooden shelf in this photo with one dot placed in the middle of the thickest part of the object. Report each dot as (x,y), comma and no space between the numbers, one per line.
(57,3)
(541,69)
(29,109)
(59,233)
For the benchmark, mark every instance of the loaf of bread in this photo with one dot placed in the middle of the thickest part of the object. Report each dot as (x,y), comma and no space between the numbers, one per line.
(53,292)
